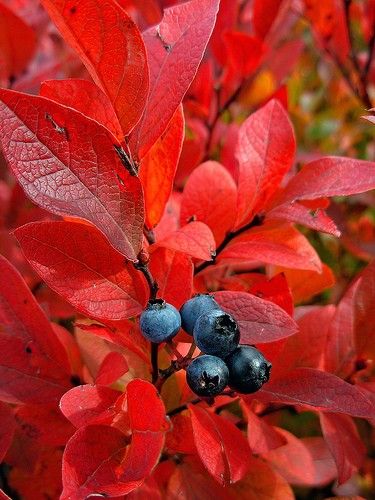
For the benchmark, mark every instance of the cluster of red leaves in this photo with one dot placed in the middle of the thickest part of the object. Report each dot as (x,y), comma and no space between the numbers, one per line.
(103,155)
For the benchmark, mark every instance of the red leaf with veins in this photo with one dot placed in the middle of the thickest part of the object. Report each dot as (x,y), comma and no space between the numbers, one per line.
(89,404)
(319,390)
(194,239)
(86,97)
(276,290)
(111,47)
(330,176)
(210,196)
(113,367)
(99,459)
(363,313)
(314,219)
(77,262)
(221,446)
(281,245)
(68,165)
(34,367)
(342,438)
(173,272)
(17,43)
(175,48)
(259,320)
(159,166)
(7,428)
(265,153)
(261,436)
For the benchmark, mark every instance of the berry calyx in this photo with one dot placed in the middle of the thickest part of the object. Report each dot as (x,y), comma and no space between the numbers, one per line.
(193,308)
(160,321)
(216,333)
(207,376)
(248,369)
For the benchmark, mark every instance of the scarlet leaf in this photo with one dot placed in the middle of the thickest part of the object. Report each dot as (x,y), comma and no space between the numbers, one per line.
(342,438)
(265,152)
(221,446)
(331,176)
(364,302)
(14,55)
(244,52)
(89,404)
(77,262)
(112,368)
(195,239)
(265,12)
(7,428)
(261,436)
(259,320)
(173,272)
(175,48)
(34,367)
(315,219)
(159,166)
(320,390)
(281,245)
(210,196)
(68,165)
(86,97)
(276,290)
(112,51)
(110,467)
(303,461)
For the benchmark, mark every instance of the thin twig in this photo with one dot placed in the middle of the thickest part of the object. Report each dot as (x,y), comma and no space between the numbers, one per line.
(153,286)
(154,362)
(256,221)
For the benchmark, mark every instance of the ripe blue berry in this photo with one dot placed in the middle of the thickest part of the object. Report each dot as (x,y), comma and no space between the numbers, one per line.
(160,321)
(193,308)
(207,375)
(248,370)
(216,333)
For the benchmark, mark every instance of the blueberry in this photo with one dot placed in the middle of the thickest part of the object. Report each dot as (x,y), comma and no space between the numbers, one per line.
(160,321)
(193,308)
(216,333)
(207,375)
(248,369)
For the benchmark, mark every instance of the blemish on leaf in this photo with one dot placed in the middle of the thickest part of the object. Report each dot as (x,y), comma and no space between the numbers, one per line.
(28,350)
(166,45)
(73,9)
(60,130)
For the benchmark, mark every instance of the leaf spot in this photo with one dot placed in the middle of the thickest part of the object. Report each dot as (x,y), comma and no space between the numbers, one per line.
(60,130)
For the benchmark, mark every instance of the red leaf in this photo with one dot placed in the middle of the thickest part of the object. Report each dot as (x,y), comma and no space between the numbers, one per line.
(265,153)
(34,367)
(320,390)
(261,436)
(314,219)
(112,368)
(17,43)
(7,428)
(331,176)
(221,446)
(363,313)
(86,97)
(89,404)
(108,465)
(259,320)
(175,48)
(303,461)
(342,438)
(264,14)
(244,52)
(180,439)
(281,245)
(77,262)
(173,272)
(112,50)
(195,239)
(159,166)
(210,196)
(68,165)
(276,290)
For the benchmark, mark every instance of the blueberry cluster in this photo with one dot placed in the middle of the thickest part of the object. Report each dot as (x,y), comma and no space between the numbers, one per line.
(217,335)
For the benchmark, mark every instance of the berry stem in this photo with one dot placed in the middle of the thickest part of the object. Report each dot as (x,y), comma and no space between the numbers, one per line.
(150,280)
(256,221)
